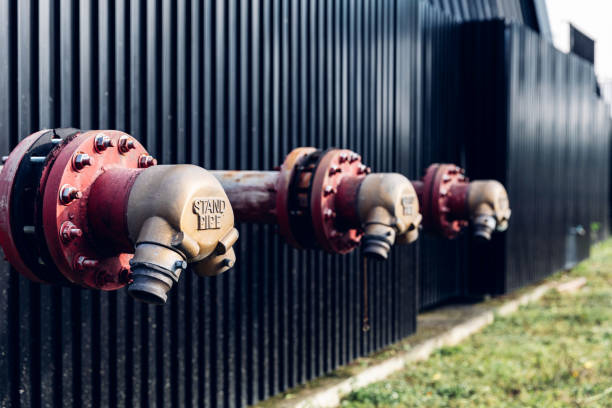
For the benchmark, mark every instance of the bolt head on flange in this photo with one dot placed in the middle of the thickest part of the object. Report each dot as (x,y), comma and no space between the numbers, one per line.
(126,144)
(329,190)
(69,231)
(145,161)
(81,160)
(82,263)
(363,169)
(68,194)
(102,142)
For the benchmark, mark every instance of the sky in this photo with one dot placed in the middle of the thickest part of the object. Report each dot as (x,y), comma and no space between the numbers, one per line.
(592,17)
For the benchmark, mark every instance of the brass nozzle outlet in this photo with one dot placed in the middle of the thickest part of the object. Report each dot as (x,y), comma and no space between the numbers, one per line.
(489,207)
(388,209)
(177,215)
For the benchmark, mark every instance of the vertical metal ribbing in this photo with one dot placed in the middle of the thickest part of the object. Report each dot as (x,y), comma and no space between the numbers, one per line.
(550,140)
(520,11)
(236,84)
(441,270)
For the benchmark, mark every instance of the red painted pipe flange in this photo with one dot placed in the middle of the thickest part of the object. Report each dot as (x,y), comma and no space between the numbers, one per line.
(334,166)
(66,216)
(307,198)
(288,173)
(443,197)
(7,188)
(45,220)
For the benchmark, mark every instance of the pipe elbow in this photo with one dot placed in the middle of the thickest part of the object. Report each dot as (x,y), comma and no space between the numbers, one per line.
(489,207)
(177,215)
(388,209)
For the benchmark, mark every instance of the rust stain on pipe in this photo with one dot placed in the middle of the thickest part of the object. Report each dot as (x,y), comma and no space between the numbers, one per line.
(252,194)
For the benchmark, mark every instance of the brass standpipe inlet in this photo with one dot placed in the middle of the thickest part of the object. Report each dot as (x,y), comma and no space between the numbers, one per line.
(450,202)
(177,215)
(488,207)
(387,211)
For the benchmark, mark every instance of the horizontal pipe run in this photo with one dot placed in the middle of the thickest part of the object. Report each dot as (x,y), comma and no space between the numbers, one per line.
(252,194)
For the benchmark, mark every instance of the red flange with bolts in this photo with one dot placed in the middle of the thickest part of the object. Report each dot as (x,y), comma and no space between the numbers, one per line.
(66,221)
(308,199)
(442,195)
(59,168)
(450,202)
(327,199)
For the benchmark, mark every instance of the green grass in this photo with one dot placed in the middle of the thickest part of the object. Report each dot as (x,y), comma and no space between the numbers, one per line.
(556,352)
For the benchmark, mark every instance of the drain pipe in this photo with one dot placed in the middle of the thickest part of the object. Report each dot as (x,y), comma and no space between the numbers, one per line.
(327,199)
(450,202)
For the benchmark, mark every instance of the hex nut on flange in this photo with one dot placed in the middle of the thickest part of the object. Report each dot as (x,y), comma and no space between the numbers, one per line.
(68,194)
(82,263)
(81,160)
(126,144)
(146,161)
(102,142)
(69,231)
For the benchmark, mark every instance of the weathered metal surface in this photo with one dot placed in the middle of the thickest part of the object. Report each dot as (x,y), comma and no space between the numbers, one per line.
(80,260)
(327,199)
(231,85)
(252,194)
(7,184)
(79,204)
(552,151)
(442,195)
(225,85)
(450,202)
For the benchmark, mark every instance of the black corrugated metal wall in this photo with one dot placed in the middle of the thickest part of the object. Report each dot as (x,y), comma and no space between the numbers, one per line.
(520,11)
(443,273)
(227,85)
(530,138)
(441,264)
(552,151)
(232,85)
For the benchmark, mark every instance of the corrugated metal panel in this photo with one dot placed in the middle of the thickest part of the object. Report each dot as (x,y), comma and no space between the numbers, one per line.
(227,85)
(441,273)
(237,84)
(541,13)
(554,135)
(443,264)
(531,13)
